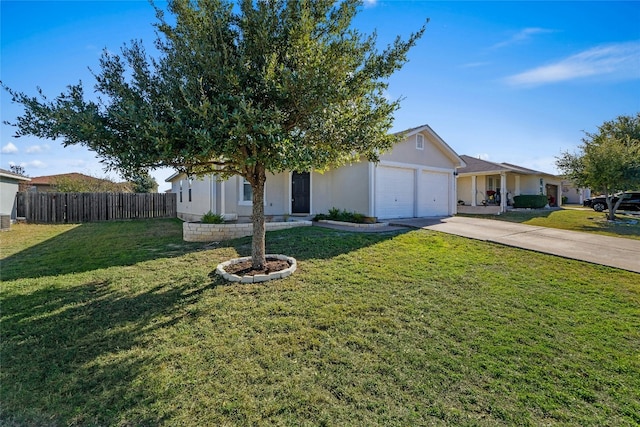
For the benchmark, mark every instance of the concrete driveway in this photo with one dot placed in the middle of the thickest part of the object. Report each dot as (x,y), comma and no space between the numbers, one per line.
(604,250)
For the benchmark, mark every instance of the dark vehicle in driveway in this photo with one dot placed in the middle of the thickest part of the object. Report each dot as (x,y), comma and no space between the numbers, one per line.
(630,202)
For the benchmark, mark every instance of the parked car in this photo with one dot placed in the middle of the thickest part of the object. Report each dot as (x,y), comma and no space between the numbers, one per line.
(630,202)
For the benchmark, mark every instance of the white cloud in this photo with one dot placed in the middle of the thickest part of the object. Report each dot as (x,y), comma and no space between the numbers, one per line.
(9,148)
(370,3)
(35,164)
(522,36)
(621,60)
(37,149)
(483,156)
(32,164)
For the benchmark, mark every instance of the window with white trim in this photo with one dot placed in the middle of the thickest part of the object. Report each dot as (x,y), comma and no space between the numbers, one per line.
(419,141)
(246,192)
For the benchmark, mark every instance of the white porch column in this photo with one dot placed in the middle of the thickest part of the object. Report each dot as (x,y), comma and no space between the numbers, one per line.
(503,192)
(474,190)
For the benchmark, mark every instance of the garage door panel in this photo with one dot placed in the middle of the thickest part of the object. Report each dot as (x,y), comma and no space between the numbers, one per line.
(394,192)
(433,199)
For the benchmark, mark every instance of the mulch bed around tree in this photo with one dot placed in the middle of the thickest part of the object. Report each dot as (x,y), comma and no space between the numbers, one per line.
(244,268)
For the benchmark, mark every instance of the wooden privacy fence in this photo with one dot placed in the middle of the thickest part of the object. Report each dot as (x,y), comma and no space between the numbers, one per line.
(91,207)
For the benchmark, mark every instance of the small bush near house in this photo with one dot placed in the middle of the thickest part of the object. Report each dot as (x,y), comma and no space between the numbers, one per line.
(336,214)
(530,201)
(211,218)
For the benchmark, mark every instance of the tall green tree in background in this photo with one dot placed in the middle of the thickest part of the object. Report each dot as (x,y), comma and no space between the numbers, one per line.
(239,88)
(144,183)
(608,161)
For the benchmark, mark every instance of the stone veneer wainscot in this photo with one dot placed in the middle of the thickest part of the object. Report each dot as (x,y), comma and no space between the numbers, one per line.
(200,232)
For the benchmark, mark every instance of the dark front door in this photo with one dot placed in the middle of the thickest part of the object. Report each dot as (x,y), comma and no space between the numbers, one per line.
(300,192)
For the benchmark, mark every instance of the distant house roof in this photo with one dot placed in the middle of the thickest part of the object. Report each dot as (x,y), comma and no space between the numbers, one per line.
(51,179)
(485,167)
(49,182)
(8,174)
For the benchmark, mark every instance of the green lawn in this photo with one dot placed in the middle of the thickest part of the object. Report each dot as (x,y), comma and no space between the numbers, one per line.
(124,324)
(586,220)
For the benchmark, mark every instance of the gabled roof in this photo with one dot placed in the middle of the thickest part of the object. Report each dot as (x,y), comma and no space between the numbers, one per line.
(485,167)
(406,133)
(173,176)
(9,174)
(427,129)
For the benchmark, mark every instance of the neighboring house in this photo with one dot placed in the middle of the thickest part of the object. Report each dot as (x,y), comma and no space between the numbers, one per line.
(9,186)
(574,194)
(415,179)
(482,182)
(84,183)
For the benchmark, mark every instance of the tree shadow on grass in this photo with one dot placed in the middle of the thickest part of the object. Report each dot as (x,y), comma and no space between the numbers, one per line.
(79,355)
(305,243)
(93,246)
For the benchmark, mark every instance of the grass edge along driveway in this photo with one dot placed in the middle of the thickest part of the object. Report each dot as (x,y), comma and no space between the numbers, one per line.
(123,324)
(580,219)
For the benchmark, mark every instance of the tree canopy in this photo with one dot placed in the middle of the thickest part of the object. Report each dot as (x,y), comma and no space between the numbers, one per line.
(237,89)
(609,159)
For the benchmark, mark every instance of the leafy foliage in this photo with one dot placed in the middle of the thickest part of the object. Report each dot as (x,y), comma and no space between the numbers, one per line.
(336,214)
(144,183)
(534,201)
(608,161)
(212,218)
(18,170)
(78,183)
(238,89)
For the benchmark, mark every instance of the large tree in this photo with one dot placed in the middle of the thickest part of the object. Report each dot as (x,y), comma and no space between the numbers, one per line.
(238,88)
(608,161)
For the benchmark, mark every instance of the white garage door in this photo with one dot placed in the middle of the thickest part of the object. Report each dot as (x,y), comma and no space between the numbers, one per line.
(394,192)
(433,199)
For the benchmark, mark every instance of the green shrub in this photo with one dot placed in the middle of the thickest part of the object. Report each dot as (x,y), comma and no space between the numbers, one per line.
(211,218)
(336,214)
(533,201)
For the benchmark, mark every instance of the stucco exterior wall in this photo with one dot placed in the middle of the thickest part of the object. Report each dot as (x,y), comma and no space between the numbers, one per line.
(431,154)
(203,191)
(8,190)
(343,188)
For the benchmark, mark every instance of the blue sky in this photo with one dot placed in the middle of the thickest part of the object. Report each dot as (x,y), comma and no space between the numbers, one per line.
(513,82)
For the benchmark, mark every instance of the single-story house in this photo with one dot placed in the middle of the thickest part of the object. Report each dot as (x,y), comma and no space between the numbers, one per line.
(574,195)
(415,179)
(9,186)
(482,182)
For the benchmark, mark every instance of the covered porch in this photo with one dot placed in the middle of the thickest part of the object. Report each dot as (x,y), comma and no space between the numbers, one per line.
(487,187)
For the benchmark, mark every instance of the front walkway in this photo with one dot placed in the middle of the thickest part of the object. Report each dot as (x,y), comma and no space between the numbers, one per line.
(604,250)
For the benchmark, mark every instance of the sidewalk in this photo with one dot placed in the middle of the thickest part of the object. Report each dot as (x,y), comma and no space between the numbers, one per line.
(604,250)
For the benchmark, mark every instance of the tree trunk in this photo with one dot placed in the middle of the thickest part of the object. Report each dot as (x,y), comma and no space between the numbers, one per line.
(258,253)
(611,213)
